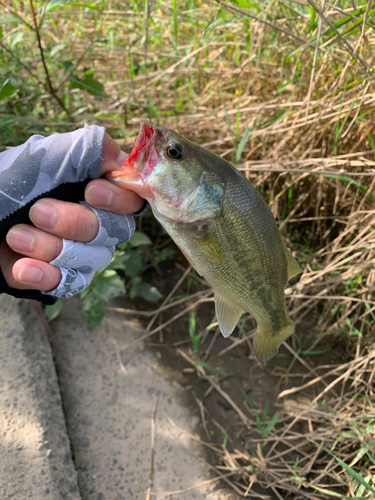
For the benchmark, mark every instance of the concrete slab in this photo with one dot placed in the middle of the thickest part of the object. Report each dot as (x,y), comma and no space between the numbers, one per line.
(109,397)
(35,457)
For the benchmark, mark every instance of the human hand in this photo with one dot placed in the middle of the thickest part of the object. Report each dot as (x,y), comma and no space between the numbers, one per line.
(27,251)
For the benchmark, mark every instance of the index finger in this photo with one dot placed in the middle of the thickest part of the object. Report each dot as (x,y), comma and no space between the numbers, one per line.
(100,193)
(112,155)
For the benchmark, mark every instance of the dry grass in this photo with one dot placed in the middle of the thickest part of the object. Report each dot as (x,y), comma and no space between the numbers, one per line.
(288,94)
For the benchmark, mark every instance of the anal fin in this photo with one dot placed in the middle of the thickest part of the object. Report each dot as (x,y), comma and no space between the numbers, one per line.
(227,314)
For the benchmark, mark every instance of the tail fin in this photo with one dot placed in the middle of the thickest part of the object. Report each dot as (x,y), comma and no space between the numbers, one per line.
(266,343)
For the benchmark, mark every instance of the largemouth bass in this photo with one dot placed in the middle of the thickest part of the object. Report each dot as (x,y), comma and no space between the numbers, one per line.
(223,227)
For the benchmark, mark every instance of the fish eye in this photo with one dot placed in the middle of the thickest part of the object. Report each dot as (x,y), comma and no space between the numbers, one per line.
(175,151)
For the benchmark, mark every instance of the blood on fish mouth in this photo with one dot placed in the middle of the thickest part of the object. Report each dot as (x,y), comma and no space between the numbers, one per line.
(137,158)
(140,150)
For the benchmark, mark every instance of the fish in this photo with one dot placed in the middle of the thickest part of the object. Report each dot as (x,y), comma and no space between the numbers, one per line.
(223,227)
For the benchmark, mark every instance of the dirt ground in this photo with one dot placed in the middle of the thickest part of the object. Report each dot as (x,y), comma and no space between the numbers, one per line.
(233,394)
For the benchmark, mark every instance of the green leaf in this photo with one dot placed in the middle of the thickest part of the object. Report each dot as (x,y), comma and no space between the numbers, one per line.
(69,66)
(364,449)
(372,142)
(53,310)
(6,92)
(89,85)
(93,306)
(349,180)
(119,261)
(348,469)
(175,21)
(16,39)
(242,143)
(105,286)
(247,4)
(167,253)
(85,6)
(271,424)
(133,264)
(313,23)
(163,255)
(333,494)
(371,458)
(54,4)
(148,292)
(109,285)
(57,48)
(192,324)
(210,368)
(9,19)
(369,427)
(247,399)
(139,239)
(133,288)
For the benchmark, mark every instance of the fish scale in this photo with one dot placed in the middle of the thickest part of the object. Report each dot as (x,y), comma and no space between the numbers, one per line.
(242,235)
(222,225)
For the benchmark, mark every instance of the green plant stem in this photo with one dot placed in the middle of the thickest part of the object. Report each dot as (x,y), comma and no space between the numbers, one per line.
(262,21)
(339,36)
(147,22)
(21,63)
(49,82)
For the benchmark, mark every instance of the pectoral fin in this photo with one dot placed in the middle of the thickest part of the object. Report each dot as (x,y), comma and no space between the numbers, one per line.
(211,247)
(293,267)
(227,315)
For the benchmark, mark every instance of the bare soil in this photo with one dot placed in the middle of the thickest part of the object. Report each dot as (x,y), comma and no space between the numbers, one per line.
(252,387)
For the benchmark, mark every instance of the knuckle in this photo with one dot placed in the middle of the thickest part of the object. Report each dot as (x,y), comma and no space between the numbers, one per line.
(77,228)
(79,224)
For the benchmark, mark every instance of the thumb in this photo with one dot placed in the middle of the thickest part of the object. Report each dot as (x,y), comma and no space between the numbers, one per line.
(112,155)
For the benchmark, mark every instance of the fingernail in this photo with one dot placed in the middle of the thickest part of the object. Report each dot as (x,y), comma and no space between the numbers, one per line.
(43,215)
(20,240)
(121,158)
(30,275)
(99,196)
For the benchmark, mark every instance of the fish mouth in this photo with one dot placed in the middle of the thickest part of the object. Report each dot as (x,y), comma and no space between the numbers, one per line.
(136,161)
(141,148)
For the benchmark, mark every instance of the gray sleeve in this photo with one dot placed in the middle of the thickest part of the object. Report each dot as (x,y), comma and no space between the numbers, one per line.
(44,163)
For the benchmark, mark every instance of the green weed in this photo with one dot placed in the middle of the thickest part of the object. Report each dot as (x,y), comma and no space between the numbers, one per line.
(349,470)
(264,425)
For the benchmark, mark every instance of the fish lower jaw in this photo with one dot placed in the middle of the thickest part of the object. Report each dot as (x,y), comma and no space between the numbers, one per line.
(177,217)
(135,184)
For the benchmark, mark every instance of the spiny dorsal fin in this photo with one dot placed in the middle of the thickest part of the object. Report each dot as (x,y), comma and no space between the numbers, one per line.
(227,314)
(293,267)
